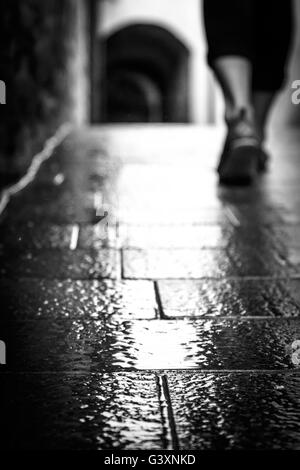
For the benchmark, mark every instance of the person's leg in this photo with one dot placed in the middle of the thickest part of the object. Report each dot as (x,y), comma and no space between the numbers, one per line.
(230,29)
(272,40)
(234,75)
(262,103)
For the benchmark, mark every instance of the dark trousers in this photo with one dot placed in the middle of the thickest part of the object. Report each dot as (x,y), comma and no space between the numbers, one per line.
(259,30)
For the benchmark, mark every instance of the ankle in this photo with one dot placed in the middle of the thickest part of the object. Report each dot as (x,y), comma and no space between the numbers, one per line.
(234,112)
(261,129)
(262,134)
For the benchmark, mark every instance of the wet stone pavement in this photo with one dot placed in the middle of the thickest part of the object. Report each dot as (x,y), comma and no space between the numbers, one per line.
(145,307)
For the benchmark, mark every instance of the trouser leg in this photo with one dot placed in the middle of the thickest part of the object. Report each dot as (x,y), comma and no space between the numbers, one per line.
(258,30)
(229,28)
(273,27)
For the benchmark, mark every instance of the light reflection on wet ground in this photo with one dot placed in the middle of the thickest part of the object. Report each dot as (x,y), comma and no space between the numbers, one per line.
(236,411)
(82,412)
(84,346)
(190,284)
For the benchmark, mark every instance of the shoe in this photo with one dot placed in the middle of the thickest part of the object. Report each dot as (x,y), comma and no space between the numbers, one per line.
(263,160)
(243,157)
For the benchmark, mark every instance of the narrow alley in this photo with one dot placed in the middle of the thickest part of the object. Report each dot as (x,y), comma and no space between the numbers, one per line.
(145,307)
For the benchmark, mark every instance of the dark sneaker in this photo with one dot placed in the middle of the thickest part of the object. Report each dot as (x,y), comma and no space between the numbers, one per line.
(243,157)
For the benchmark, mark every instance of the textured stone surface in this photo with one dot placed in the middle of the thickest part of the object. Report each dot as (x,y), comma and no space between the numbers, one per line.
(293,257)
(242,297)
(63,208)
(253,261)
(156,264)
(287,236)
(200,347)
(255,213)
(35,236)
(174,236)
(133,212)
(75,412)
(54,264)
(32,299)
(98,236)
(232,411)
(39,44)
(94,345)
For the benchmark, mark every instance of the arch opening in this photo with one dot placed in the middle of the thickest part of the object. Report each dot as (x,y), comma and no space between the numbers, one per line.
(146,75)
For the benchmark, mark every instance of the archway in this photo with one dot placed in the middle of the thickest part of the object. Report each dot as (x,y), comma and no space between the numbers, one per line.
(146,76)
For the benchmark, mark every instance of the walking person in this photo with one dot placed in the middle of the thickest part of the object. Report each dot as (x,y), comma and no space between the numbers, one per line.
(248,45)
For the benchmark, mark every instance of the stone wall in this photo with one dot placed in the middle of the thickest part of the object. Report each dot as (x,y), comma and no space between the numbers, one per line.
(43,59)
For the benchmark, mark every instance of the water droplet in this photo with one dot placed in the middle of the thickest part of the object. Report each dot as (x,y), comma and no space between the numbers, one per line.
(58,179)
(295,347)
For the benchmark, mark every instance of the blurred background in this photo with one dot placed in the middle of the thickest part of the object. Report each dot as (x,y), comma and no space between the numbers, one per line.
(107,61)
